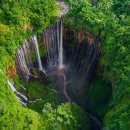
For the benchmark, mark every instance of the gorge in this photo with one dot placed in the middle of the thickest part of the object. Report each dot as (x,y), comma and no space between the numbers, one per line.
(61,61)
(63,65)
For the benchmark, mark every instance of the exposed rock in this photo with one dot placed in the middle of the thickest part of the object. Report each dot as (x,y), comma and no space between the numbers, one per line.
(80,35)
(11,71)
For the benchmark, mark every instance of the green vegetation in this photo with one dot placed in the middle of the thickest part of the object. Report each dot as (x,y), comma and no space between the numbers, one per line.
(66,117)
(110,20)
(20,20)
(12,114)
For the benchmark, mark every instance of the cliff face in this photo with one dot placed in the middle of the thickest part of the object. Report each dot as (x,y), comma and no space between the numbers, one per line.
(81,52)
(78,35)
(83,47)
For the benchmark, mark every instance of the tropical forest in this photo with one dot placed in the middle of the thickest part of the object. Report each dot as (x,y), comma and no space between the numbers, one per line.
(64,65)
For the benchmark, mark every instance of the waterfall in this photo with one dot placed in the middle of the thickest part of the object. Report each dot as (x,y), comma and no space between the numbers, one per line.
(28,56)
(35,42)
(39,99)
(61,47)
(23,87)
(20,96)
(29,53)
(11,86)
(53,43)
(23,103)
(25,58)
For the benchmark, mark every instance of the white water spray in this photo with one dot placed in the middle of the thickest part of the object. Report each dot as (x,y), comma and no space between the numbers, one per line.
(37,52)
(40,67)
(61,64)
(19,96)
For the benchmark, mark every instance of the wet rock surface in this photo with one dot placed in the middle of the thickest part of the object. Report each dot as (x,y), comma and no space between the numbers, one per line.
(64,8)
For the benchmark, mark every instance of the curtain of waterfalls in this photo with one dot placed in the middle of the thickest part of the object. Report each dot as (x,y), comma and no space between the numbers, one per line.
(53,43)
(28,57)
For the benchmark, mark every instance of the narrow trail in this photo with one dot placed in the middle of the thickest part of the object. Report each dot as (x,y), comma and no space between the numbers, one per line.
(61,72)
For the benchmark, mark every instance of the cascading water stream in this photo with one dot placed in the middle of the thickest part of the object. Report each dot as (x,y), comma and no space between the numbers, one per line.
(53,43)
(25,59)
(34,39)
(61,64)
(20,96)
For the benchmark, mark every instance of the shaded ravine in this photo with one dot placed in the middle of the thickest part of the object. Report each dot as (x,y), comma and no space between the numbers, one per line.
(78,54)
